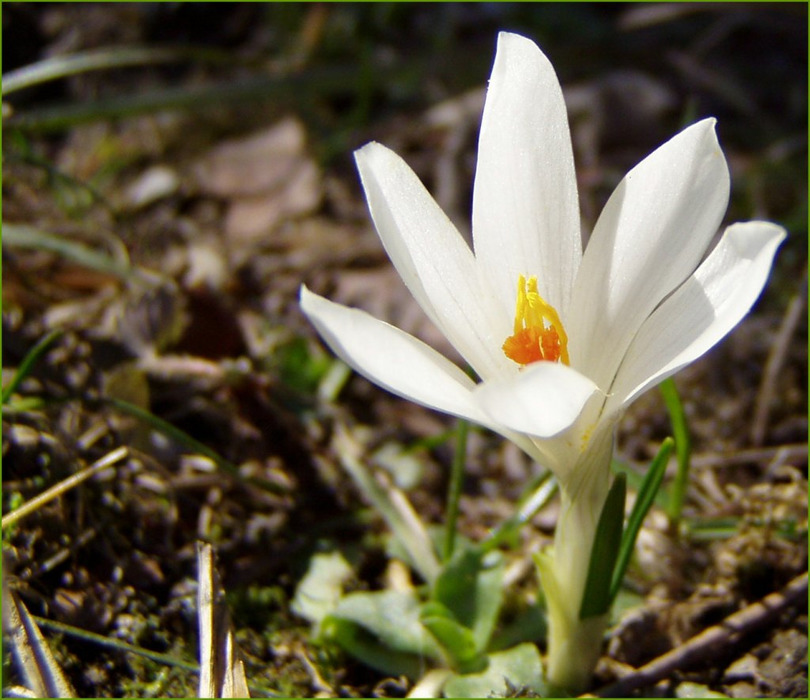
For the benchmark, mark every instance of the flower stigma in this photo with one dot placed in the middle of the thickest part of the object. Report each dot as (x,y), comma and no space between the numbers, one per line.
(539,333)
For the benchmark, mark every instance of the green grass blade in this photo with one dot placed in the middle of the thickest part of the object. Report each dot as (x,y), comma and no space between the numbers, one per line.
(541,493)
(596,598)
(28,363)
(127,648)
(184,438)
(683,449)
(644,500)
(51,118)
(23,236)
(454,489)
(57,67)
(115,644)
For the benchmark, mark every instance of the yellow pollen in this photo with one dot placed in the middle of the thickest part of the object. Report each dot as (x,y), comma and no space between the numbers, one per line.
(539,333)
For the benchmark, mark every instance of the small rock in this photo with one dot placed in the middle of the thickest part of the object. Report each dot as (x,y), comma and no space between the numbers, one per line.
(156,183)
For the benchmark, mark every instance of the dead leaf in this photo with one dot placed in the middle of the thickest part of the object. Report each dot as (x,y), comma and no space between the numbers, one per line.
(266,178)
(222,673)
(40,671)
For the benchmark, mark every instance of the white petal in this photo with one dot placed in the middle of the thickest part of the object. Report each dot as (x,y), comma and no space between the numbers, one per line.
(392,359)
(702,311)
(433,260)
(525,206)
(543,400)
(649,238)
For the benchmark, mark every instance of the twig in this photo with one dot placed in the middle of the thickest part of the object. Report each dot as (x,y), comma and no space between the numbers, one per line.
(705,645)
(792,452)
(106,461)
(775,362)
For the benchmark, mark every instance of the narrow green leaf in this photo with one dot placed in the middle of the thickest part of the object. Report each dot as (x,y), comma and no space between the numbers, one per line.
(709,529)
(635,480)
(24,236)
(29,361)
(454,488)
(56,67)
(683,448)
(180,436)
(113,644)
(119,646)
(644,500)
(537,496)
(596,598)
(58,117)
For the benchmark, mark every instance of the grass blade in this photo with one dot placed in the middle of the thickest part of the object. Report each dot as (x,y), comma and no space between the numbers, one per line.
(329,81)
(454,488)
(184,438)
(541,494)
(644,500)
(683,448)
(28,237)
(28,363)
(57,67)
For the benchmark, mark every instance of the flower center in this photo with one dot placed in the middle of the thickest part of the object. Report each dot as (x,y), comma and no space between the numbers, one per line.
(539,333)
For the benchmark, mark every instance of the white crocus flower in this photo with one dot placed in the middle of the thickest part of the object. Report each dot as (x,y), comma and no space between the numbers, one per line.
(562,340)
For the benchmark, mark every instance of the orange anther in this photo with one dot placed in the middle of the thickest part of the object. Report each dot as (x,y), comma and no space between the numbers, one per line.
(539,333)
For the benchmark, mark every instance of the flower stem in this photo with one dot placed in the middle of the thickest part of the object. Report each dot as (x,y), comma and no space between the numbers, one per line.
(574,643)
(454,488)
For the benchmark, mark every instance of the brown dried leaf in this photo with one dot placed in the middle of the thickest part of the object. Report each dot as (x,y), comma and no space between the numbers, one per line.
(267,178)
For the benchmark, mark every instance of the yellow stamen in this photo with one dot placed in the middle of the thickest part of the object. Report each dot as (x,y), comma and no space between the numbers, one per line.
(539,333)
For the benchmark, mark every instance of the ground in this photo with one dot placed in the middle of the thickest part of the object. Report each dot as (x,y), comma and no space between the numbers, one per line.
(159,219)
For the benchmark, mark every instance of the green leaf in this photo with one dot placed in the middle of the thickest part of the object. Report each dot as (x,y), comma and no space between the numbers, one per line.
(644,500)
(456,640)
(384,620)
(596,597)
(510,673)
(319,592)
(470,586)
(683,447)
(364,646)
(635,480)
